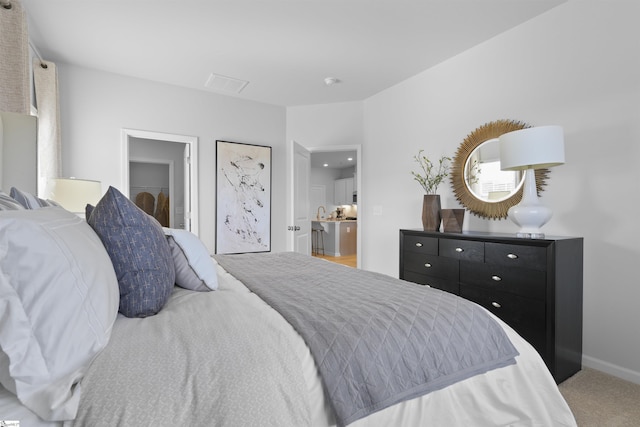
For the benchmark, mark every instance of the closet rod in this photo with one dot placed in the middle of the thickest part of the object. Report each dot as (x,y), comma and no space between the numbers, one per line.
(149,187)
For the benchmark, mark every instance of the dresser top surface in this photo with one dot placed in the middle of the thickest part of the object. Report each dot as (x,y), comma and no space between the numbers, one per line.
(485,235)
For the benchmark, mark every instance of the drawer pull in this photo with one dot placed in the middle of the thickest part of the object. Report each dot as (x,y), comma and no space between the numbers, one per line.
(427,265)
(419,244)
(512,256)
(496,278)
(459,250)
(496,305)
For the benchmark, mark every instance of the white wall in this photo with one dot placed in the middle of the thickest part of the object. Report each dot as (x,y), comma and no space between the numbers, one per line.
(322,125)
(576,66)
(95,106)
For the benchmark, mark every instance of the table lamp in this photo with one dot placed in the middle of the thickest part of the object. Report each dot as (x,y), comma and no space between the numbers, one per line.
(74,194)
(529,149)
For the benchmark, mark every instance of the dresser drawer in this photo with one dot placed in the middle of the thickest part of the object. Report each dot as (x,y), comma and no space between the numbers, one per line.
(516,255)
(431,265)
(420,244)
(494,277)
(434,282)
(527,316)
(462,249)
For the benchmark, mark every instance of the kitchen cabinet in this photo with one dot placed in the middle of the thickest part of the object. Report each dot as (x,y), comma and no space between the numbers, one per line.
(343,191)
(533,285)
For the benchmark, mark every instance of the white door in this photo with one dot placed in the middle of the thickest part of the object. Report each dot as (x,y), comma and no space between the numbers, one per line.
(301,226)
(187,188)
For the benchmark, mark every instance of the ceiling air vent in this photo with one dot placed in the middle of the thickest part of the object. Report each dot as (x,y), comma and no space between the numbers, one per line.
(225,84)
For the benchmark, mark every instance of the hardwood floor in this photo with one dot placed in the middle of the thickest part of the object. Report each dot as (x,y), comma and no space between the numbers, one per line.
(348,260)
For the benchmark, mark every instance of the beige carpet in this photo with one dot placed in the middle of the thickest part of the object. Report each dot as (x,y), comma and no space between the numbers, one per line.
(601,400)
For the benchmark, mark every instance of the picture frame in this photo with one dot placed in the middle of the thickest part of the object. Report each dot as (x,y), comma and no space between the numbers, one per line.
(243,197)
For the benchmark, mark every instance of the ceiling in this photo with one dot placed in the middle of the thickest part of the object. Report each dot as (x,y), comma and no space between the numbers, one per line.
(333,159)
(284,49)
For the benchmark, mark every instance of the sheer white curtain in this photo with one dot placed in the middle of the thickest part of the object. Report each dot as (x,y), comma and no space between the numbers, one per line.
(45,79)
(14,58)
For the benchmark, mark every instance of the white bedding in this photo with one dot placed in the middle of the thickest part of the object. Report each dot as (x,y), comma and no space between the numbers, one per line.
(523,394)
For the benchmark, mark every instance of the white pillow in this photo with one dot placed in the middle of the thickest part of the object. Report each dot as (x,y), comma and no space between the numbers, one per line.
(58,301)
(195,269)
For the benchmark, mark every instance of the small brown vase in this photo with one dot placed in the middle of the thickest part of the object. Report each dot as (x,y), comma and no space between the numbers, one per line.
(431,212)
(452,220)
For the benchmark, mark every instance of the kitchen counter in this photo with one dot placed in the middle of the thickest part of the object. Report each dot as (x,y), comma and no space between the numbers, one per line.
(340,238)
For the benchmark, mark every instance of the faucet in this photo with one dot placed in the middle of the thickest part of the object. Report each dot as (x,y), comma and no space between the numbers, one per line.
(318,214)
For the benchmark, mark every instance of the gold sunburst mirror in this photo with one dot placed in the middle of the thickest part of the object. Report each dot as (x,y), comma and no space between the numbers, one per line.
(476,178)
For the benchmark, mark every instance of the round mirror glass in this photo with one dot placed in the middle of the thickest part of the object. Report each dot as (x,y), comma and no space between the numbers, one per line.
(477,181)
(484,178)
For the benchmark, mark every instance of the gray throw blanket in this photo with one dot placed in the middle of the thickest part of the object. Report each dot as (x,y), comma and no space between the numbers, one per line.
(376,340)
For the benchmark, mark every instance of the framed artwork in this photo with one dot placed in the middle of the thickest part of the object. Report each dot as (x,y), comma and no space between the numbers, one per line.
(243,198)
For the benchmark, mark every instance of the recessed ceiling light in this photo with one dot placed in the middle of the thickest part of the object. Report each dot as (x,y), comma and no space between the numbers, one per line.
(326,165)
(350,159)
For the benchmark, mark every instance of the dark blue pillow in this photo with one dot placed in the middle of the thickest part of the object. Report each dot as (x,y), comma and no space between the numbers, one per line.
(139,252)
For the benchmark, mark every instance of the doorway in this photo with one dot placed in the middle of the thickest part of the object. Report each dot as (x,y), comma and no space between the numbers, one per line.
(306,209)
(169,162)
(333,208)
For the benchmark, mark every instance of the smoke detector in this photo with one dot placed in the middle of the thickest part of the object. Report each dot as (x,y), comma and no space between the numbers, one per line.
(331,81)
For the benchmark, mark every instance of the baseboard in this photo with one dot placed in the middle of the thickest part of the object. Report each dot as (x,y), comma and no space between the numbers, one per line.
(611,369)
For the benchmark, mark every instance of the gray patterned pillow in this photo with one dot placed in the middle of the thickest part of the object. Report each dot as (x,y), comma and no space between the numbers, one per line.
(28,200)
(139,252)
(7,203)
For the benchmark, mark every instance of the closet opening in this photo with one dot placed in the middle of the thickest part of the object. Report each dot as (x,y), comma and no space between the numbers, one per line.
(152,189)
(160,176)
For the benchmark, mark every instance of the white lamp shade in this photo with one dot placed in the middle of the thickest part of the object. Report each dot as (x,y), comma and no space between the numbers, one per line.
(74,194)
(532,148)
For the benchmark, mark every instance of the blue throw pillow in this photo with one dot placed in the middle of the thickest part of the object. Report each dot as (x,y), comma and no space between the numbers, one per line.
(139,252)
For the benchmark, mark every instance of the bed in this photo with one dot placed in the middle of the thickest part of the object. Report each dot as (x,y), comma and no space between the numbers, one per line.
(237,342)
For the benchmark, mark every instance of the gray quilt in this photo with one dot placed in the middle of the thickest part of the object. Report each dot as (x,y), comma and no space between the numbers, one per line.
(376,340)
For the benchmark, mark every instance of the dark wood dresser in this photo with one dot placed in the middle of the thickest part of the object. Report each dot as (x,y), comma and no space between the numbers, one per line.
(533,285)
